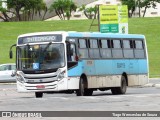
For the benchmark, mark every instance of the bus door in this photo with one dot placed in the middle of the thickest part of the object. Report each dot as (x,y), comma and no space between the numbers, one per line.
(72,58)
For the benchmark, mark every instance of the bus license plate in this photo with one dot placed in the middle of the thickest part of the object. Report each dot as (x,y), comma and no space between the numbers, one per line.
(40,86)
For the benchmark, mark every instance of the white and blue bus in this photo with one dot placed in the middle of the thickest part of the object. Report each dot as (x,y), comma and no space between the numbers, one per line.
(80,62)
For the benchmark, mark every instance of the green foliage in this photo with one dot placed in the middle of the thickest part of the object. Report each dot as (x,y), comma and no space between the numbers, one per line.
(147,4)
(130,4)
(90,12)
(63,8)
(4,16)
(23,9)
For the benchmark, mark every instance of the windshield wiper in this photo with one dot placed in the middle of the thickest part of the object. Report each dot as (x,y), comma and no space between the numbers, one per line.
(47,46)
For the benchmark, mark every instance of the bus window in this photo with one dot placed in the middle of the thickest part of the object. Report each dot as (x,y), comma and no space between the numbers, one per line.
(71,55)
(139,44)
(104,43)
(105,51)
(93,43)
(126,44)
(83,50)
(127,49)
(73,52)
(94,50)
(139,49)
(82,43)
(117,43)
(117,49)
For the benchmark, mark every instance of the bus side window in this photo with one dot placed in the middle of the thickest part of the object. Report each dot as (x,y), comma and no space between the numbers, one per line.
(73,52)
(83,50)
(127,49)
(139,49)
(117,49)
(94,50)
(105,51)
(68,52)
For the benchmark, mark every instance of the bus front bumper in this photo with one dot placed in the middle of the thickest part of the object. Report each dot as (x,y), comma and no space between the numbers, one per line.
(24,87)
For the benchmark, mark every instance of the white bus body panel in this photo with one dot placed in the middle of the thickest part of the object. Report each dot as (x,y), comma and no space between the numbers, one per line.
(73,83)
(104,81)
(134,80)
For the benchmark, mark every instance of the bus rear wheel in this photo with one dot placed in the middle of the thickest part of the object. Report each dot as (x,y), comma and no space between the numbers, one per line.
(83,91)
(38,94)
(122,89)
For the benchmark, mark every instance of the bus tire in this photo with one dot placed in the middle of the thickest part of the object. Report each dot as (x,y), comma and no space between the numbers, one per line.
(88,92)
(38,94)
(122,89)
(114,91)
(80,91)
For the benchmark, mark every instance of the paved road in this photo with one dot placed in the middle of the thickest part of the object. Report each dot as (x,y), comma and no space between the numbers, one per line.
(146,98)
(136,99)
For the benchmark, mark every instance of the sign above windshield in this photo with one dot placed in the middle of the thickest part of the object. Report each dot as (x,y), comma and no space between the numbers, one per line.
(40,38)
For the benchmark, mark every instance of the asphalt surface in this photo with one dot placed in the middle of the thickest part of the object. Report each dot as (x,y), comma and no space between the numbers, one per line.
(141,98)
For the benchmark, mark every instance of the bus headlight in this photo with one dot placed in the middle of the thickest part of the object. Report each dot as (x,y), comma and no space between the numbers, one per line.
(61,75)
(20,78)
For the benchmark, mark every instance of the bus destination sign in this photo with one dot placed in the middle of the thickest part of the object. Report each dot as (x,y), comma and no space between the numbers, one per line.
(40,38)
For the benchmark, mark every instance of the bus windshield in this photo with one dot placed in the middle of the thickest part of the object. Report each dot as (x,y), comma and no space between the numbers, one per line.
(40,56)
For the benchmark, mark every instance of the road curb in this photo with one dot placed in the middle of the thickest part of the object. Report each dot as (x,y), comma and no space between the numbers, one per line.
(149,85)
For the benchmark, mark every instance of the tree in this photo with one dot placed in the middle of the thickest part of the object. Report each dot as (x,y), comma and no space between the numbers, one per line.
(69,6)
(147,4)
(90,12)
(23,9)
(16,5)
(34,7)
(131,6)
(3,13)
(63,8)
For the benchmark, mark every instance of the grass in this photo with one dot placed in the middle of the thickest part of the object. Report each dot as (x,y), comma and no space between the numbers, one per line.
(148,26)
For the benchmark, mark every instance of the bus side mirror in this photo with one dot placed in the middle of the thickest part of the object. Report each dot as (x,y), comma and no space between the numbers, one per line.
(11,54)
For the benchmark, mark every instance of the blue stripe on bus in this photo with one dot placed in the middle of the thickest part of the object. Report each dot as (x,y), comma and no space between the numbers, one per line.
(110,67)
(105,35)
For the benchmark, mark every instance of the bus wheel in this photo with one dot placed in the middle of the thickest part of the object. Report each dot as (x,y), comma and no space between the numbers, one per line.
(38,94)
(114,91)
(83,91)
(122,89)
(80,91)
(88,92)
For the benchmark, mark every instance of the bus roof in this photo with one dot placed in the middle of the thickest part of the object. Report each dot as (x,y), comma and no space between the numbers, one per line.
(87,34)
(105,35)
